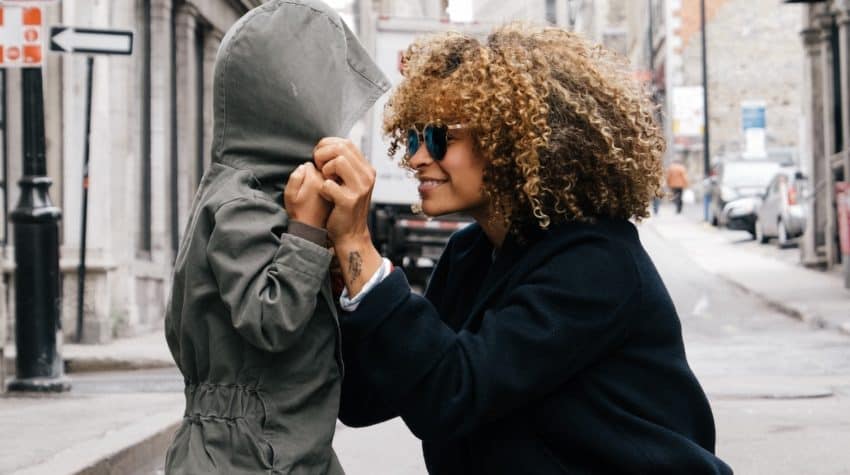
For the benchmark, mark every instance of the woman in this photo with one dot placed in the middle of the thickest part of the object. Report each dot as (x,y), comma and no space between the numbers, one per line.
(546,341)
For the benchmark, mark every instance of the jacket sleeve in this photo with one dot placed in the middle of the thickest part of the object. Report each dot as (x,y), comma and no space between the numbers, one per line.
(561,318)
(360,404)
(268,279)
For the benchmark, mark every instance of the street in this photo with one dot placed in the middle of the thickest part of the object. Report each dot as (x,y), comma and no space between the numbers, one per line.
(779,387)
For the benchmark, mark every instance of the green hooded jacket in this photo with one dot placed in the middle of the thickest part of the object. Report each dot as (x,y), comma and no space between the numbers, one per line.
(251,320)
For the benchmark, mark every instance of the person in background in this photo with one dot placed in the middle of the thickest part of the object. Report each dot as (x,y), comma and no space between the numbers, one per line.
(707,190)
(677,181)
(546,342)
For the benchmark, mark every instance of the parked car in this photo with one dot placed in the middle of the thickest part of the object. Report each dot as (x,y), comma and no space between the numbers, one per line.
(782,214)
(736,179)
(741,214)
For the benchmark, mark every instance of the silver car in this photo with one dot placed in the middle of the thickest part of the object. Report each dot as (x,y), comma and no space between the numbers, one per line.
(782,214)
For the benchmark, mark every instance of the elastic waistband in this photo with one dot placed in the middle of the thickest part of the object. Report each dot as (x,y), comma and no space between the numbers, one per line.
(223,401)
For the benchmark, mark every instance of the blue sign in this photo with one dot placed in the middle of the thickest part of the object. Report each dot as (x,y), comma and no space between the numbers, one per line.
(753,117)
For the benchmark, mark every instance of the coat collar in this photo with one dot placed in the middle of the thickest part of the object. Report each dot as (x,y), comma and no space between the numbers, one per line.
(506,259)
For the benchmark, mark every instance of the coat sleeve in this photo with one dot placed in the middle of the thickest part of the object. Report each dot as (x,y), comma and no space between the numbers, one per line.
(360,403)
(561,318)
(268,279)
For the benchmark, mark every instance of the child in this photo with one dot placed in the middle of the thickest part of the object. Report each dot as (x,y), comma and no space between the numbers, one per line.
(251,321)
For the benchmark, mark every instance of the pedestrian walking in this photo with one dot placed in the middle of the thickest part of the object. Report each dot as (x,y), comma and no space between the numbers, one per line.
(677,181)
(546,341)
(251,321)
(708,184)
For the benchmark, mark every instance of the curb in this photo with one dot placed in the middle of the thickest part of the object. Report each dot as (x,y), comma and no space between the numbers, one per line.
(91,365)
(788,310)
(136,458)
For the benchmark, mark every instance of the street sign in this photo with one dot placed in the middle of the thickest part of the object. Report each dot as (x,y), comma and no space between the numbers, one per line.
(20,36)
(68,39)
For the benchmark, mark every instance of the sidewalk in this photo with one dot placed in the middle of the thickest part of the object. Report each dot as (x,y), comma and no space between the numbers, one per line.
(813,296)
(85,434)
(141,352)
(92,432)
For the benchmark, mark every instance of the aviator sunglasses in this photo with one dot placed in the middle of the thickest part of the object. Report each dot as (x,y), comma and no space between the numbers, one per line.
(435,137)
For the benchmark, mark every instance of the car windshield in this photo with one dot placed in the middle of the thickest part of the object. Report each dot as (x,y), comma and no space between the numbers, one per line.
(748,174)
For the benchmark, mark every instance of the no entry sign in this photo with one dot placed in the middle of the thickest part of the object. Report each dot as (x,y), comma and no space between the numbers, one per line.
(20,36)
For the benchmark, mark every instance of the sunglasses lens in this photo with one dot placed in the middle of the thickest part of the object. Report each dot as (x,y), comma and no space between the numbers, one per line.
(435,140)
(412,142)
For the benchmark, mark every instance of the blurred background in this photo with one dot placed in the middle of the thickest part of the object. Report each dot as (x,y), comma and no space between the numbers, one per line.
(752,237)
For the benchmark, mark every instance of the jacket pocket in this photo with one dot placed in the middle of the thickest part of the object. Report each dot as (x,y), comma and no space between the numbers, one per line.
(256,445)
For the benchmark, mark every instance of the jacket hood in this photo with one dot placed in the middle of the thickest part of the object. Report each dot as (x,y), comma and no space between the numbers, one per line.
(287,74)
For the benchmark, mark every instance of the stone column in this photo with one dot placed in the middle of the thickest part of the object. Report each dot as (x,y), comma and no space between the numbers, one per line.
(212,40)
(813,165)
(161,124)
(843,18)
(825,22)
(151,273)
(187,107)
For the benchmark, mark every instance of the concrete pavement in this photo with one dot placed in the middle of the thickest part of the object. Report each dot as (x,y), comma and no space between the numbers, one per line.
(97,428)
(814,296)
(85,434)
(141,352)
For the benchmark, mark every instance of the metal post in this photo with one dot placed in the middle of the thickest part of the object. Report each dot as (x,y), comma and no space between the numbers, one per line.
(81,272)
(706,142)
(37,278)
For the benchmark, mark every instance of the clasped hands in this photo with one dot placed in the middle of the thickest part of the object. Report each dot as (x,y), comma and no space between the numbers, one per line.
(334,193)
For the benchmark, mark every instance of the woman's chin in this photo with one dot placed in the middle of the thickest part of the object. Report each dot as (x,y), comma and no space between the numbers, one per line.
(433,209)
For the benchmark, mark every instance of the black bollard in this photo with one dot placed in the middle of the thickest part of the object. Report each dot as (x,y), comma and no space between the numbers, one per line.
(38,299)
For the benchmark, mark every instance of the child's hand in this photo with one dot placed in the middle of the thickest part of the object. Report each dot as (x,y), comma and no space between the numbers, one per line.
(301,197)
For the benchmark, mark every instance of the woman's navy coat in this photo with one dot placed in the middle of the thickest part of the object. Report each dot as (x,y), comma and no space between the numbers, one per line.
(564,355)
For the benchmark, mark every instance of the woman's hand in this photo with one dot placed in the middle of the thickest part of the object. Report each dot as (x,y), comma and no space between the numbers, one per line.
(302,199)
(348,184)
(349,180)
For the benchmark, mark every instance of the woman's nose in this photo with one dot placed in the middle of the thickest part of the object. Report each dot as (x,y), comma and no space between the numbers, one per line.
(421,158)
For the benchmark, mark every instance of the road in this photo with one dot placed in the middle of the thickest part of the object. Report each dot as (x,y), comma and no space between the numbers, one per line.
(779,389)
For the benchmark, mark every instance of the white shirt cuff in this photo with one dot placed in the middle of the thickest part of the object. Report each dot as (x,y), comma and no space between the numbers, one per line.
(351,304)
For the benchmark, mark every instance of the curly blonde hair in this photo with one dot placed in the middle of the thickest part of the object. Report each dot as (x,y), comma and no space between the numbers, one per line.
(566,131)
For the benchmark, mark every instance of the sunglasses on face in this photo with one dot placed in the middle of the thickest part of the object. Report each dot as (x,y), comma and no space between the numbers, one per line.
(435,137)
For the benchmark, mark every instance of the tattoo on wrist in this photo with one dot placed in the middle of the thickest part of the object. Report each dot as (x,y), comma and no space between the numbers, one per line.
(355,265)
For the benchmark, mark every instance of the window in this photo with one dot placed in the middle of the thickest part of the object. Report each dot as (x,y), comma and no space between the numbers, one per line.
(4,168)
(551,14)
(145,221)
(200,41)
(836,88)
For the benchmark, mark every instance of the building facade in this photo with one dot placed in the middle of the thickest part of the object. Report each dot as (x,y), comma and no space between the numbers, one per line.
(150,145)
(751,59)
(825,37)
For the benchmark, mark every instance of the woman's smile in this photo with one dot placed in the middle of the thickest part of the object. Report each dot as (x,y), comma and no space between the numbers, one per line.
(426,185)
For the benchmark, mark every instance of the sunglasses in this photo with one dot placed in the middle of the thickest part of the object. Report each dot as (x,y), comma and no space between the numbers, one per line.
(435,137)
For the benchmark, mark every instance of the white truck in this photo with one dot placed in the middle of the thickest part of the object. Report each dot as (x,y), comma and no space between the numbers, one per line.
(412,241)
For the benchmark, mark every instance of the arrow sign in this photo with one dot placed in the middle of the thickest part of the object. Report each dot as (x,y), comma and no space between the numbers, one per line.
(89,41)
